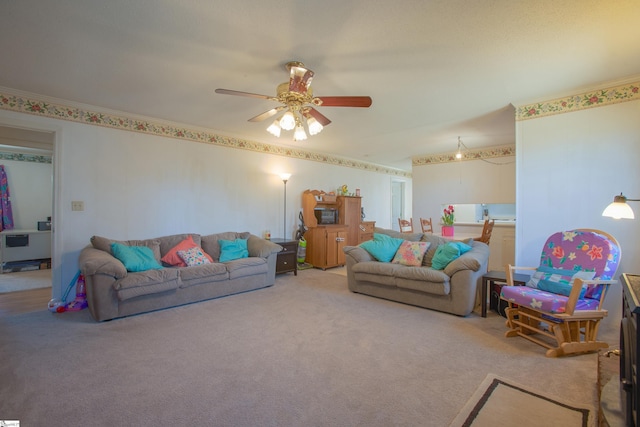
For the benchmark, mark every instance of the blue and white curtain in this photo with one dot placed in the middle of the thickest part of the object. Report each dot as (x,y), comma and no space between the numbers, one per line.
(6,215)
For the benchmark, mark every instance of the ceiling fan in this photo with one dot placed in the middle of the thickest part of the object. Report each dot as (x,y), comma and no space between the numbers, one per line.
(297,98)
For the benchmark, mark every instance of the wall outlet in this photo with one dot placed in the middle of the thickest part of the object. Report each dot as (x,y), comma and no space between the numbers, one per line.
(77,206)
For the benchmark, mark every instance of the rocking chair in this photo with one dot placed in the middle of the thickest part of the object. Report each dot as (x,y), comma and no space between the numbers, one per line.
(560,308)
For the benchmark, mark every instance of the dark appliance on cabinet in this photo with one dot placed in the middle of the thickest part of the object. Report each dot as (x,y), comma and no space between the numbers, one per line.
(326,216)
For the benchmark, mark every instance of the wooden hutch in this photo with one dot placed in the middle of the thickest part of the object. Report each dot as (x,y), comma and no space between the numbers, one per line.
(326,241)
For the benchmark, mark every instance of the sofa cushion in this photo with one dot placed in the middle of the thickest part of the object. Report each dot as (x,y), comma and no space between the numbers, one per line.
(246,267)
(212,247)
(173,259)
(104,244)
(168,242)
(382,247)
(376,272)
(436,288)
(135,258)
(146,283)
(423,274)
(194,256)
(410,253)
(205,273)
(412,237)
(233,249)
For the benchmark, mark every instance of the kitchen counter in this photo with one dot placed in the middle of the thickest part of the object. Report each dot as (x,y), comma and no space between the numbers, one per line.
(498,223)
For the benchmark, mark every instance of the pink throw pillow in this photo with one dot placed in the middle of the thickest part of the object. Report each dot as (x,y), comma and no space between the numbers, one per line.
(172,257)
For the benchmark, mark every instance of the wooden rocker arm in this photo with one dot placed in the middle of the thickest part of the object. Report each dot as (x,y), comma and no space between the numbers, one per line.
(510,269)
(576,289)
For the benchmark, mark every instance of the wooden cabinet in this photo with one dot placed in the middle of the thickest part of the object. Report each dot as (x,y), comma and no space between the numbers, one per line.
(365,231)
(325,244)
(349,214)
(324,241)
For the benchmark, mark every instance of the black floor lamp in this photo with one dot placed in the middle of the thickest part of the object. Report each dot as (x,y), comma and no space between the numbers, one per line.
(285,177)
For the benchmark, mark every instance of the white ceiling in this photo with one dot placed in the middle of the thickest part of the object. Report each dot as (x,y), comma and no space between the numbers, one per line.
(435,69)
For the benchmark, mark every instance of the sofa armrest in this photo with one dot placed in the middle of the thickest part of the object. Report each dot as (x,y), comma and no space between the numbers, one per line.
(358,254)
(93,261)
(472,260)
(260,247)
(462,263)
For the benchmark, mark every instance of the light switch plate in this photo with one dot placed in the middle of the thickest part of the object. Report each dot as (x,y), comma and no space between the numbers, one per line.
(77,205)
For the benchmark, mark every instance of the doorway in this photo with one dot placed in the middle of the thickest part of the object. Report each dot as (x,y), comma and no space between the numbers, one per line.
(28,159)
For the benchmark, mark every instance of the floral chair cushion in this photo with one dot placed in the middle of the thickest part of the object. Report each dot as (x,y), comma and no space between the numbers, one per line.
(576,251)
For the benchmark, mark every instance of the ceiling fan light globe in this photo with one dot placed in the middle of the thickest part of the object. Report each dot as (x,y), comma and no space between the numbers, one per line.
(274,129)
(299,134)
(288,121)
(314,126)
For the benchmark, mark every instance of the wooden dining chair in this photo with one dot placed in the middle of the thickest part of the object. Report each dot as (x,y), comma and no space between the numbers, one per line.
(487,229)
(427,225)
(406,226)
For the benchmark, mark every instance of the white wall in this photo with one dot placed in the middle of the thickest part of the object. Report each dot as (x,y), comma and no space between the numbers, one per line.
(461,182)
(569,167)
(137,186)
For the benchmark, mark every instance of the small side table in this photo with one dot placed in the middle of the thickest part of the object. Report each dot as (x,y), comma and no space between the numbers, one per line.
(492,277)
(288,257)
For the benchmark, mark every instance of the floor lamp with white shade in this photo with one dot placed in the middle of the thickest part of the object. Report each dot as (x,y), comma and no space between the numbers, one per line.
(285,177)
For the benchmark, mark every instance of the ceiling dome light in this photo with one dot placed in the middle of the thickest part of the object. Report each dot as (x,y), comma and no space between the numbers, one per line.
(288,121)
(314,126)
(299,134)
(274,129)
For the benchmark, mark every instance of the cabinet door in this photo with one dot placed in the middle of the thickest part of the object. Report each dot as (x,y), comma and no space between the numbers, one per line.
(349,214)
(336,240)
(341,242)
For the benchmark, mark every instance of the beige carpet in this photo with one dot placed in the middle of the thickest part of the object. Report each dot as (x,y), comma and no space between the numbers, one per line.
(305,352)
(499,402)
(25,280)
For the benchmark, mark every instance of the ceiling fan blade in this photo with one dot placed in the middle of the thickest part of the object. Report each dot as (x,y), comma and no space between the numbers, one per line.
(238,93)
(267,114)
(345,101)
(323,120)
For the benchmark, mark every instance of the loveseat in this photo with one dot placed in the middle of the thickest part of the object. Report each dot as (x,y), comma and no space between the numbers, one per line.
(452,289)
(115,290)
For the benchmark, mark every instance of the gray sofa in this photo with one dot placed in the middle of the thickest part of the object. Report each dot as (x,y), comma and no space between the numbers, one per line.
(114,292)
(451,290)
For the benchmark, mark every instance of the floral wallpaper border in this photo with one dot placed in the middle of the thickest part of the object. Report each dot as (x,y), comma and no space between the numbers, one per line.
(19,157)
(479,154)
(29,105)
(595,98)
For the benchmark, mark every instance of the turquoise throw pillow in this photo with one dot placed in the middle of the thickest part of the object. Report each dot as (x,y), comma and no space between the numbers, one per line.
(445,254)
(135,258)
(233,249)
(382,247)
(464,248)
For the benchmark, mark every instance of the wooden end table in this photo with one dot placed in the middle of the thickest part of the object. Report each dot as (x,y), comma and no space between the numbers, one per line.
(288,257)
(492,277)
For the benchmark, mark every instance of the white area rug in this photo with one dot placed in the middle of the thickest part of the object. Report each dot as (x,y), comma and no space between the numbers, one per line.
(500,402)
(25,280)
